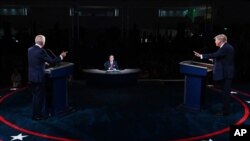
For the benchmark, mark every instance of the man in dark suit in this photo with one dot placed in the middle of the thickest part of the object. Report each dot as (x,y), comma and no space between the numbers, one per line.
(223,70)
(37,59)
(111,64)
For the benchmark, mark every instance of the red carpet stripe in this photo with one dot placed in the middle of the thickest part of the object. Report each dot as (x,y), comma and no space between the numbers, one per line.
(241,92)
(209,135)
(32,132)
(3,120)
(11,93)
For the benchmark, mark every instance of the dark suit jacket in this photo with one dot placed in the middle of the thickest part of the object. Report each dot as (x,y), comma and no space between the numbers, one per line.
(107,65)
(36,58)
(224,62)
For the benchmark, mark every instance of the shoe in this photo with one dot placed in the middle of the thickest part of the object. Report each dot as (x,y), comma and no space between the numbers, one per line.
(39,118)
(222,114)
(233,92)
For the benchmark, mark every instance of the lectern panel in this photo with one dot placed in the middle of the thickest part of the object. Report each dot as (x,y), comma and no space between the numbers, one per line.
(195,73)
(63,69)
(58,78)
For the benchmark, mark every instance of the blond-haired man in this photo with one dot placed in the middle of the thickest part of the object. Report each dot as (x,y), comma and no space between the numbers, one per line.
(223,70)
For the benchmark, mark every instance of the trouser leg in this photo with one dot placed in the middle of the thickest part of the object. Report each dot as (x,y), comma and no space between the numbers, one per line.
(38,100)
(226,95)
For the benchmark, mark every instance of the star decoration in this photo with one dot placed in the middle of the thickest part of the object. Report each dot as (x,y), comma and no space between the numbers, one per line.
(18,137)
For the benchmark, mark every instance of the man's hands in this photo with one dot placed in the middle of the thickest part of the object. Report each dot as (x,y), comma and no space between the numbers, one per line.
(46,63)
(64,53)
(197,54)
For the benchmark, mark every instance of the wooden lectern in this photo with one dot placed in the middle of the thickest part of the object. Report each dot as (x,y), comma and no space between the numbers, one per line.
(194,87)
(58,80)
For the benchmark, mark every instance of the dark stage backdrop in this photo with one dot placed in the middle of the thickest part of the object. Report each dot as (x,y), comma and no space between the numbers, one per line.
(151,35)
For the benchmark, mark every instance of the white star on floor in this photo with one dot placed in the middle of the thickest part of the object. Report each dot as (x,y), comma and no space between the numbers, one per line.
(18,137)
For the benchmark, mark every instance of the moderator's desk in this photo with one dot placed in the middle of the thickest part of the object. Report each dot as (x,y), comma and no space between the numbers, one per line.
(111,78)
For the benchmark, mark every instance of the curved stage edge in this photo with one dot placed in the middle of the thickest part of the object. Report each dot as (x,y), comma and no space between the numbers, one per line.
(199,137)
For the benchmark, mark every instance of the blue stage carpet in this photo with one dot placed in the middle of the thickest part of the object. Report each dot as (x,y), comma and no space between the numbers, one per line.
(145,112)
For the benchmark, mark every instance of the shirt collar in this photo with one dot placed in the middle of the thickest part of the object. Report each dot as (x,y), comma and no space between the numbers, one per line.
(39,45)
(222,44)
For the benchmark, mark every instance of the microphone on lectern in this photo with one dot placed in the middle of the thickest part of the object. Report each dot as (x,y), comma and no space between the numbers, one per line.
(51,52)
(54,56)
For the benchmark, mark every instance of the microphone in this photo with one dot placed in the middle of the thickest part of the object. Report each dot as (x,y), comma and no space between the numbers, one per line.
(51,52)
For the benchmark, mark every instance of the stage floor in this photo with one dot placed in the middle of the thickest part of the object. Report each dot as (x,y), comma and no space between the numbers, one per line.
(144,112)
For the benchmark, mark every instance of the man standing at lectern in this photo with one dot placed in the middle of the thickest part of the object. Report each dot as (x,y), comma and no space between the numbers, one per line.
(37,58)
(223,70)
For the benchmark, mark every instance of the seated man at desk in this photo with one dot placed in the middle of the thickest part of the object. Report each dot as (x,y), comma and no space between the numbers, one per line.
(111,64)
